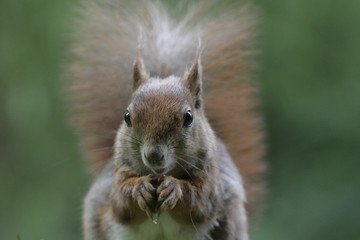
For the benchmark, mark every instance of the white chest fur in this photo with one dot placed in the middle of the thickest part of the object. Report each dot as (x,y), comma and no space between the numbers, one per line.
(165,229)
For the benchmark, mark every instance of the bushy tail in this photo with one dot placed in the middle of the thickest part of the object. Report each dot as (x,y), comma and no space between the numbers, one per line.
(106,41)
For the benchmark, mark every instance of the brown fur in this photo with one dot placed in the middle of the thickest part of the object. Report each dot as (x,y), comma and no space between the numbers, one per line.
(193,210)
(124,203)
(101,87)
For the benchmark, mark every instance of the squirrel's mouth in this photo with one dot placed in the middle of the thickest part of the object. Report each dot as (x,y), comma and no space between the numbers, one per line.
(160,171)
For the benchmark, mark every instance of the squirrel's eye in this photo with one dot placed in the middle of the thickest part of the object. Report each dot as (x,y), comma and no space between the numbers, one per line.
(127,118)
(188,119)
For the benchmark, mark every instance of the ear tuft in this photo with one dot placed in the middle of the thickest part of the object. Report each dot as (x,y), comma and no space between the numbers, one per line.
(192,78)
(139,71)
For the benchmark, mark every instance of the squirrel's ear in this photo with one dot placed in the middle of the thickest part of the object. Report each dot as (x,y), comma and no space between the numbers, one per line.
(192,79)
(139,71)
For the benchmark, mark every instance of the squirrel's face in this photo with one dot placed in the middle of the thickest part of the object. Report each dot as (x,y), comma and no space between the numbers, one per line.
(163,122)
(158,124)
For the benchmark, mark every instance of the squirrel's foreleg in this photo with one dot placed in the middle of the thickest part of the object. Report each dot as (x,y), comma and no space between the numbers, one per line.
(195,200)
(132,197)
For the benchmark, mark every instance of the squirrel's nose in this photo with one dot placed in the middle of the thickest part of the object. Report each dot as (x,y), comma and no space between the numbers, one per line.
(154,158)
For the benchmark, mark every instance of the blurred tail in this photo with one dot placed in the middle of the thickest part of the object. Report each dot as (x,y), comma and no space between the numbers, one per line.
(105,47)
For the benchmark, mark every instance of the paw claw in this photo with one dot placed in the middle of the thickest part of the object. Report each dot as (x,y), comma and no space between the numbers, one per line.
(144,193)
(169,193)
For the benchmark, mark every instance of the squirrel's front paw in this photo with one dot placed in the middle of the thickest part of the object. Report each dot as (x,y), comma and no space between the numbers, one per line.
(169,192)
(143,193)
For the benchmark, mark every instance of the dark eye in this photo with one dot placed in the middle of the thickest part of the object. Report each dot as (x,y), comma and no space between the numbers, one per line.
(188,119)
(127,118)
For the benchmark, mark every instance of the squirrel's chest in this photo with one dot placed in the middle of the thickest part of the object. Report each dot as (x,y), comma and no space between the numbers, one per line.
(166,228)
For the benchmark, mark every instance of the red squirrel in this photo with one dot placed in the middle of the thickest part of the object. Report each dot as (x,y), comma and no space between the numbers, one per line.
(176,151)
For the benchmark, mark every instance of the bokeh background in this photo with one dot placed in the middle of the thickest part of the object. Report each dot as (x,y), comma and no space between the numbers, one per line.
(310,78)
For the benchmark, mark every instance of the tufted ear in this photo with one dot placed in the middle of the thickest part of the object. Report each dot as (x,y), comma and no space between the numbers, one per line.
(139,71)
(192,78)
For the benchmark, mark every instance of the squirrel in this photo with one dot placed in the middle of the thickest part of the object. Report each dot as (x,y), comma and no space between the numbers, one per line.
(175,146)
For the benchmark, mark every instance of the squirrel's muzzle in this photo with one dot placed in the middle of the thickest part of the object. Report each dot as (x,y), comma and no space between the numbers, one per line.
(154,158)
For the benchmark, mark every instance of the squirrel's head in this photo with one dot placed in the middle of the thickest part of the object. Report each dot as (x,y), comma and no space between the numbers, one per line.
(163,122)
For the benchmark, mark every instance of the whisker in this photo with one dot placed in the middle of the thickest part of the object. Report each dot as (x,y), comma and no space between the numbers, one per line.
(153,171)
(205,149)
(192,222)
(134,143)
(101,149)
(125,156)
(128,154)
(208,236)
(109,148)
(102,136)
(192,165)
(124,147)
(193,157)
(134,138)
(184,169)
(205,162)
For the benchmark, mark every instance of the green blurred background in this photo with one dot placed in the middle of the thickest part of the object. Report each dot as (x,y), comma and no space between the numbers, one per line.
(310,69)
